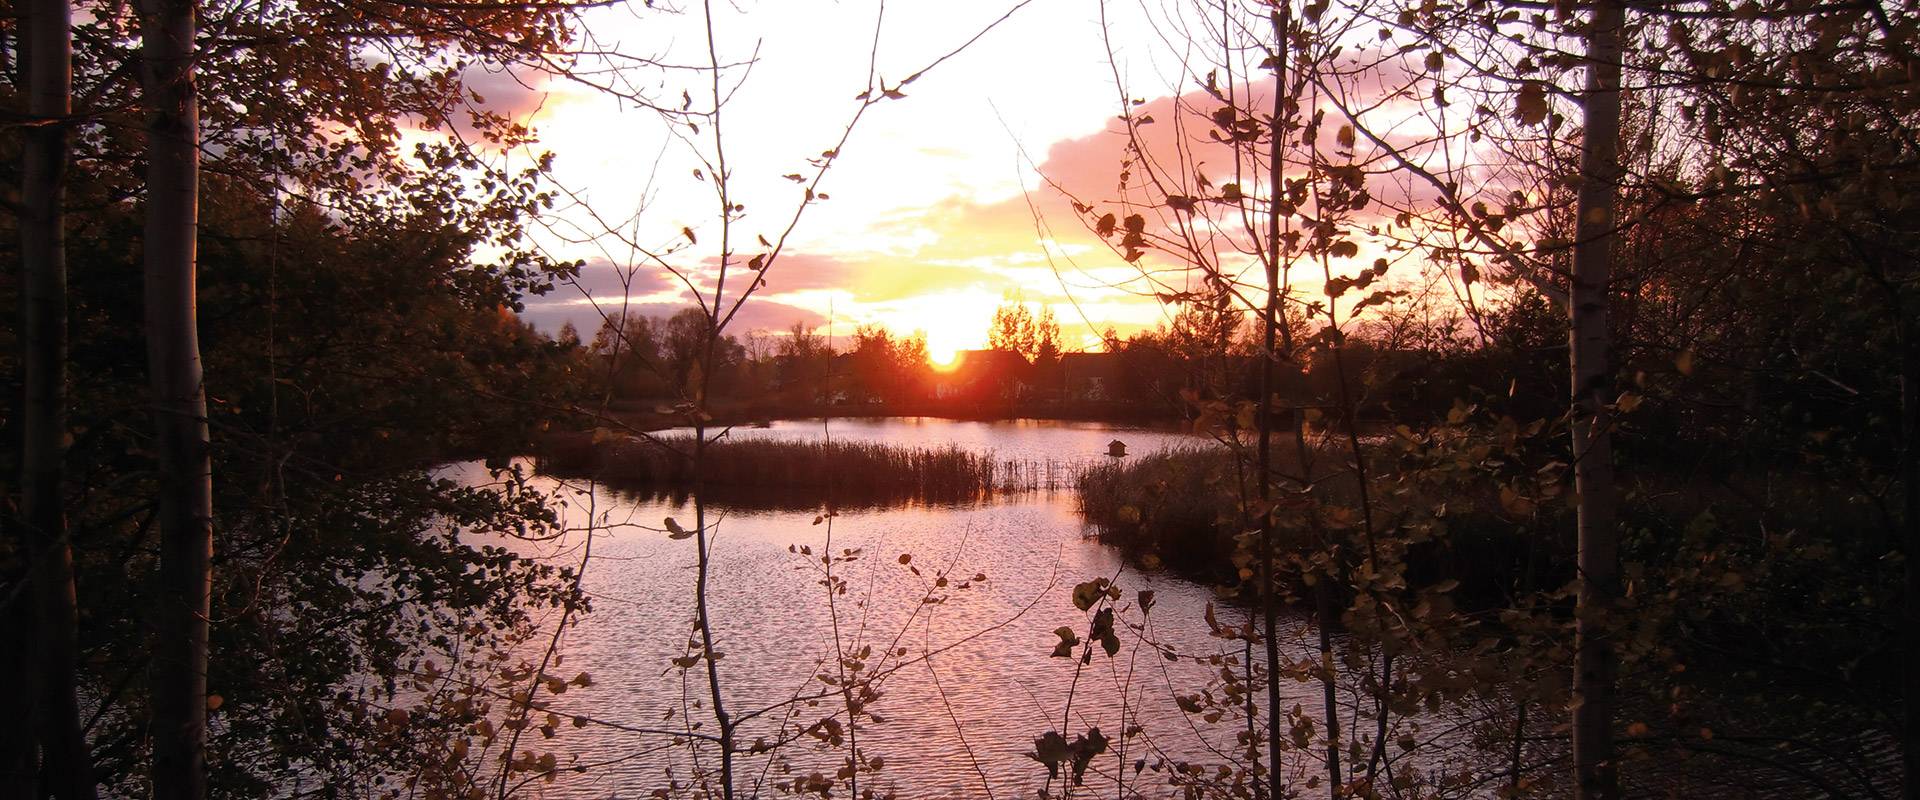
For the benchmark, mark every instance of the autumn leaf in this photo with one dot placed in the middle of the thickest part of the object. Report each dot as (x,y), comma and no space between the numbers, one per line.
(1068,641)
(1530,106)
(674,531)
(1514,502)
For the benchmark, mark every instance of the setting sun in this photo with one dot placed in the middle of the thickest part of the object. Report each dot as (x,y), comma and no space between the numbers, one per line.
(953,320)
(943,360)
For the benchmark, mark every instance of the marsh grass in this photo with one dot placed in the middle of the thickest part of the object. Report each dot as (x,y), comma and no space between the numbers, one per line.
(786,473)
(1183,506)
(1178,505)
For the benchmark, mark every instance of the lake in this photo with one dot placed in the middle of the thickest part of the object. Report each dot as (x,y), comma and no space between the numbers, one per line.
(978,684)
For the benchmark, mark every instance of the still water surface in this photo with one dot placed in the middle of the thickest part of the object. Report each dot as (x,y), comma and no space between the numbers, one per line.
(977,685)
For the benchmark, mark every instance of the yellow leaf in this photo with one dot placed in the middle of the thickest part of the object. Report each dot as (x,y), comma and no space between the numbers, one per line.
(1515,503)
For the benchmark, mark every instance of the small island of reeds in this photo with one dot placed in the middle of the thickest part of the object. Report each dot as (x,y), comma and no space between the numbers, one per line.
(787,472)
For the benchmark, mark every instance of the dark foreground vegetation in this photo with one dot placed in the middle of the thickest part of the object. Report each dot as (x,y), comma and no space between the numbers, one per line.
(256,315)
(1740,579)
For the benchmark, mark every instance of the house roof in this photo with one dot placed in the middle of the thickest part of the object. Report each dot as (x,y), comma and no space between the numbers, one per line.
(988,359)
(1090,365)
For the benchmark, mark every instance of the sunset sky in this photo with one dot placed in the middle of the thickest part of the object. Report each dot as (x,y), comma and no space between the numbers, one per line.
(929,224)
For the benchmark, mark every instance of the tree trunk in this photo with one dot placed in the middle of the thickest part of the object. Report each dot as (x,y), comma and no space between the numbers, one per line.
(1910,523)
(65,764)
(1598,557)
(1270,323)
(179,711)
(19,747)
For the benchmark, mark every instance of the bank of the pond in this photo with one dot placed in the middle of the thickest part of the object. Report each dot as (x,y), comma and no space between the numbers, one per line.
(650,417)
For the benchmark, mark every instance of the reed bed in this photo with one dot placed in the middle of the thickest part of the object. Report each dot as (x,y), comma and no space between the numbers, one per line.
(848,473)
(1183,506)
(1178,504)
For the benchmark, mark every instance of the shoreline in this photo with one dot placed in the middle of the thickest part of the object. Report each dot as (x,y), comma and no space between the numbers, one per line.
(652,419)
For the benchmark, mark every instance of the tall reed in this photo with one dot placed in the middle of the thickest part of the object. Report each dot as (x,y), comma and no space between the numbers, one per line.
(842,472)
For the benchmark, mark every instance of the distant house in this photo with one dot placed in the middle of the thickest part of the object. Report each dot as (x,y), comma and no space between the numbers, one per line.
(1150,375)
(1091,376)
(982,375)
(1373,376)
(844,384)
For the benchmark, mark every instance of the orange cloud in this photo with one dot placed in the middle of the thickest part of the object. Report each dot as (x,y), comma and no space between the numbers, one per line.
(1056,258)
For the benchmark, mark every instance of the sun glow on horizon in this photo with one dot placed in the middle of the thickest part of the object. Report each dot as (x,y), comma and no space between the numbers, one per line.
(943,360)
(952,320)
(945,342)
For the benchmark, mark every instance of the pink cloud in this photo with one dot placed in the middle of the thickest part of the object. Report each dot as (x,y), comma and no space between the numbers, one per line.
(759,313)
